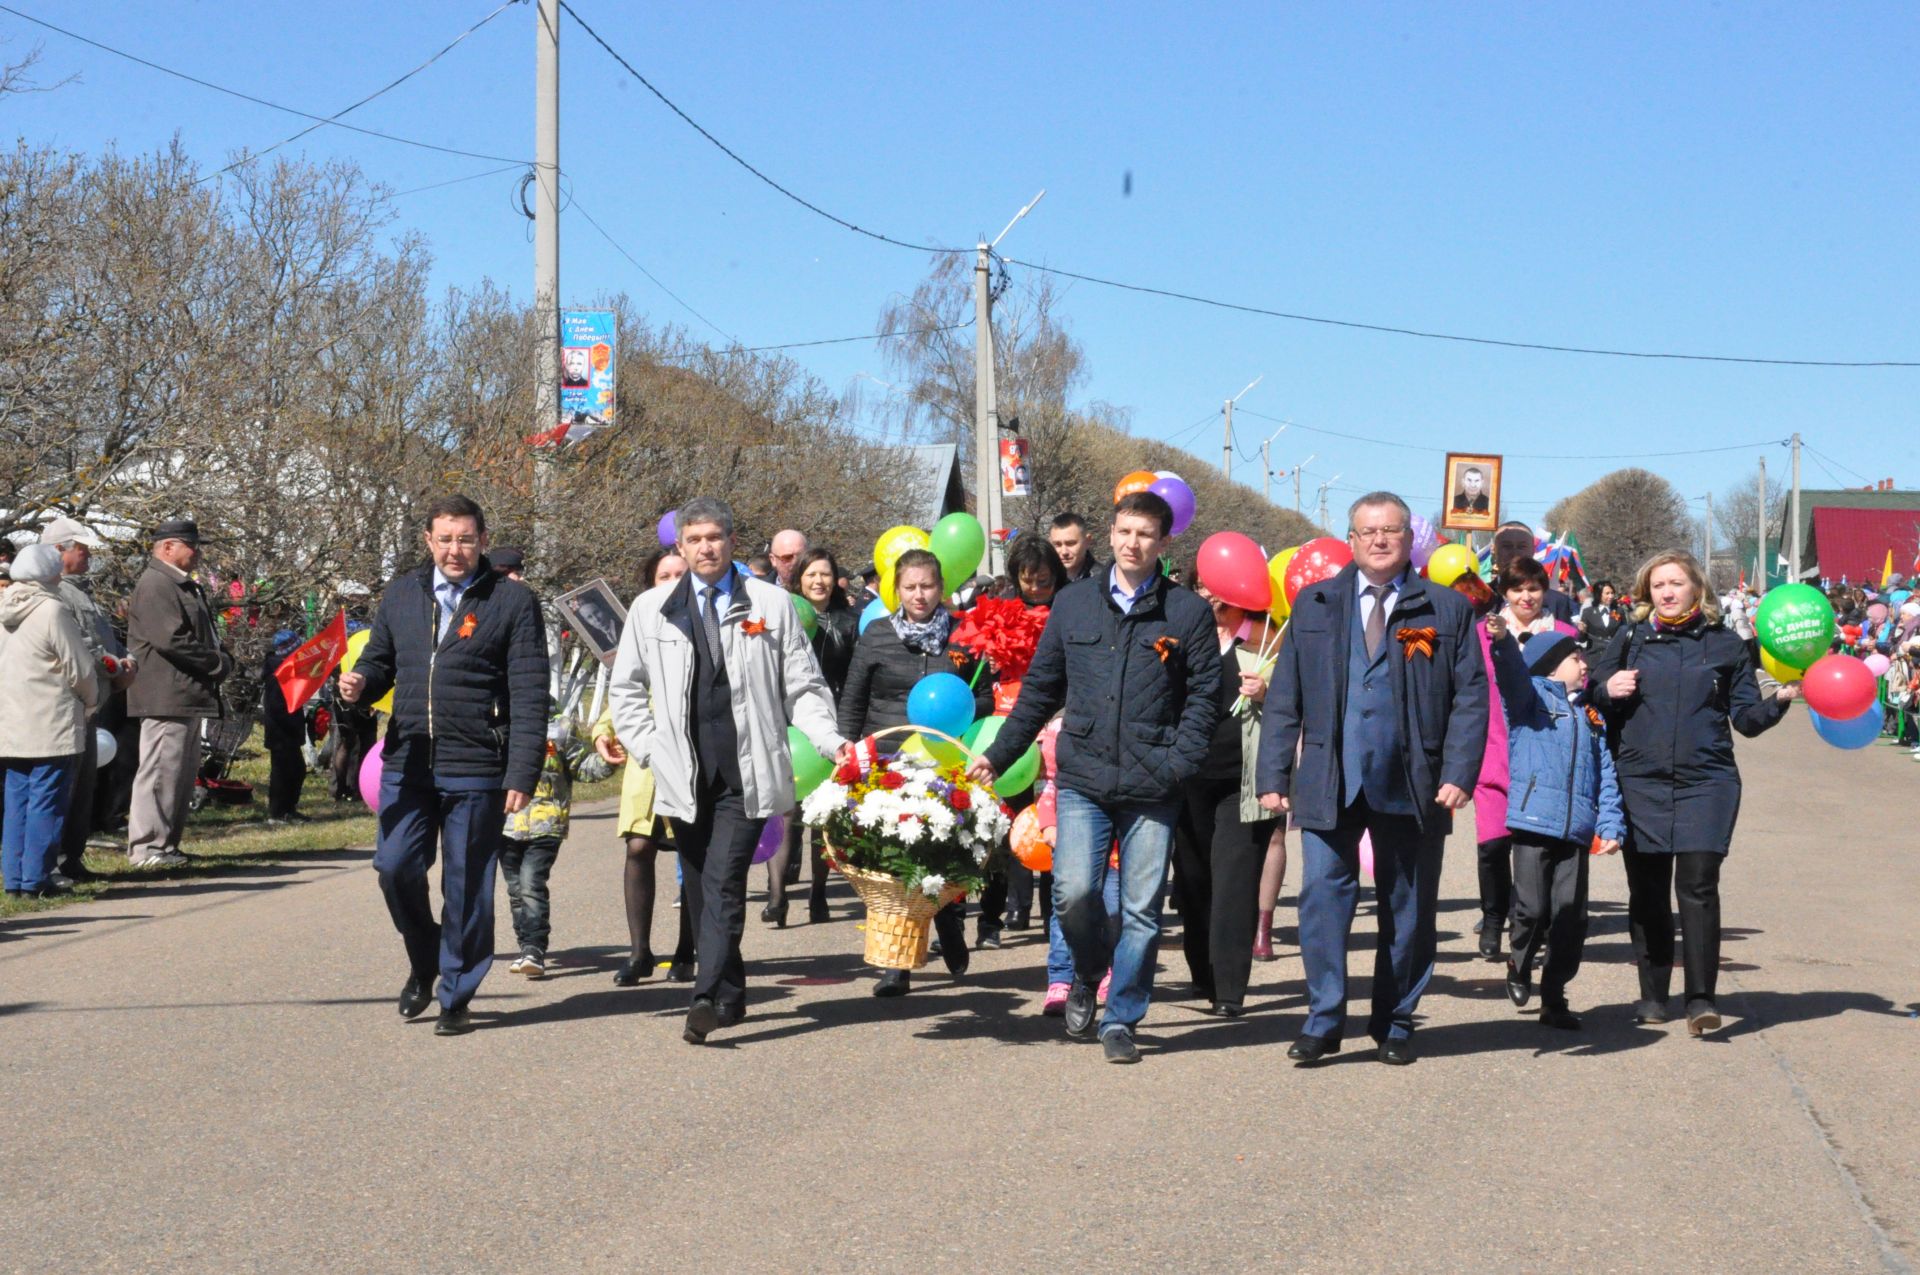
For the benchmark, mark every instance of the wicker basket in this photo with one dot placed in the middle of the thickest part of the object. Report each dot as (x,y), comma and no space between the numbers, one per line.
(899,925)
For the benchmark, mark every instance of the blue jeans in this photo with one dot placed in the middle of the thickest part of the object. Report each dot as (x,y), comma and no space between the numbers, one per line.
(526,865)
(1087,830)
(1059,959)
(36,810)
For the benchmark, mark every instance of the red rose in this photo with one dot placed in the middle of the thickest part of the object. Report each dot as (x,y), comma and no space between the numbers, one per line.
(893,779)
(849,773)
(960,800)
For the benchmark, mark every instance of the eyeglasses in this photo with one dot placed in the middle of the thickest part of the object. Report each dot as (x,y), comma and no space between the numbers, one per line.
(448,542)
(1379,533)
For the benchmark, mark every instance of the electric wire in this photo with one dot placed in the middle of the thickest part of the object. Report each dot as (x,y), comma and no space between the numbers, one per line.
(1831,461)
(249,97)
(385,88)
(576,206)
(454,181)
(733,155)
(1425,447)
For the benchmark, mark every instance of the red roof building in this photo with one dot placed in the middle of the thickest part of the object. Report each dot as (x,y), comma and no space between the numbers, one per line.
(1853,543)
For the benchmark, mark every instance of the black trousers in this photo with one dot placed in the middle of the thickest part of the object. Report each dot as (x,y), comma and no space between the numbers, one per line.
(286,772)
(1652,882)
(716,853)
(1496,877)
(1217,861)
(79,823)
(1550,907)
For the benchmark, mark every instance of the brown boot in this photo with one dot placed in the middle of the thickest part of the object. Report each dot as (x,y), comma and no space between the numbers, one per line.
(1263,936)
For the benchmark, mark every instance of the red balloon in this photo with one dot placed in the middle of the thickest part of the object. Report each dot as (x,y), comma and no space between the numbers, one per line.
(1317,560)
(1840,687)
(1234,570)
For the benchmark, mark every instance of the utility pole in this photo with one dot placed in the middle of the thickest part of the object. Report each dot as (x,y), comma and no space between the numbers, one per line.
(1709,558)
(1321,520)
(1266,462)
(986,432)
(546,245)
(1297,471)
(1226,449)
(1793,512)
(1760,534)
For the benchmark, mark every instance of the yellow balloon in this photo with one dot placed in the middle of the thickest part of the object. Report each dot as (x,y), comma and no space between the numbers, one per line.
(889,596)
(938,751)
(1277,572)
(1450,562)
(1778,671)
(357,643)
(893,542)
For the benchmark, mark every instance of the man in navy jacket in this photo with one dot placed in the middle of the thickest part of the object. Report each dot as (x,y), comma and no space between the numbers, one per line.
(1381,689)
(1133,661)
(465,652)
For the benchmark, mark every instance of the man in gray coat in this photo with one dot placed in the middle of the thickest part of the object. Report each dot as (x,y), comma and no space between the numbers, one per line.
(181,665)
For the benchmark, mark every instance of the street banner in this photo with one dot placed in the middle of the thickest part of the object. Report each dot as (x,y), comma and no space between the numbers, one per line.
(1014,477)
(587,366)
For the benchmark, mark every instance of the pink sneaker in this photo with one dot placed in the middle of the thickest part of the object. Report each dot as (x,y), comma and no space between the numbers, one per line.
(1106,981)
(1056,1002)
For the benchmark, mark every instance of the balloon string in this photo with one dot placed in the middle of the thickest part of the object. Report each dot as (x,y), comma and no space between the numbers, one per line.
(1268,656)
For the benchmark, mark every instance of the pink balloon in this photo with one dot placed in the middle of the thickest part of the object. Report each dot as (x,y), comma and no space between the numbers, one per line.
(1839,687)
(770,838)
(1318,559)
(1234,570)
(1877,664)
(371,768)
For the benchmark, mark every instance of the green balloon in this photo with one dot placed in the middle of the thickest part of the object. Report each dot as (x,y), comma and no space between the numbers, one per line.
(810,769)
(959,541)
(809,618)
(1020,776)
(1795,624)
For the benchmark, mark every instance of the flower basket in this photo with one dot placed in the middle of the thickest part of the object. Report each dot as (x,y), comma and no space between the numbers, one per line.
(912,836)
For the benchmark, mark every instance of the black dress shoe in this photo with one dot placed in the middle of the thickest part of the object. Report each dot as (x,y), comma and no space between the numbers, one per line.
(1226,1009)
(1396,1051)
(1311,1049)
(1080,1008)
(957,959)
(818,914)
(1519,984)
(1559,1017)
(733,1013)
(634,971)
(894,983)
(415,996)
(1490,943)
(1018,921)
(682,970)
(988,939)
(702,1017)
(453,1022)
(1652,1012)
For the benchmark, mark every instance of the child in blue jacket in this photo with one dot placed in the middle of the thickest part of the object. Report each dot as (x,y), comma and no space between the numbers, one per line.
(1562,796)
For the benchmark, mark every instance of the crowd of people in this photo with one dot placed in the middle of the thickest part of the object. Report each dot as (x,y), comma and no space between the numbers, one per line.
(1180,732)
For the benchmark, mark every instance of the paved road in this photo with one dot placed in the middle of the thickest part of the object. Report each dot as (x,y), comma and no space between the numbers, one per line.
(210,1076)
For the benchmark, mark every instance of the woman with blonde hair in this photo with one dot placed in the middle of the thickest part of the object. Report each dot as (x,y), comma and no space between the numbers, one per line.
(1671,683)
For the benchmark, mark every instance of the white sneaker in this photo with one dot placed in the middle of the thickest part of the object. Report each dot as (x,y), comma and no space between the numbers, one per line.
(519,965)
(532,963)
(165,859)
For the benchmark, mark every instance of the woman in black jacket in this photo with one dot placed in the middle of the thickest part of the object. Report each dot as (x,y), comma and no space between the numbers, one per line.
(1600,621)
(1034,574)
(1671,682)
(816,577)
(888,662)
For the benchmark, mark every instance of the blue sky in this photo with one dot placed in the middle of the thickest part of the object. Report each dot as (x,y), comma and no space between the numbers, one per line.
(1733,179)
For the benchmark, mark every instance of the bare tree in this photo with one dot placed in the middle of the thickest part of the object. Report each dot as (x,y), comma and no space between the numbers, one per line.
(1622,519)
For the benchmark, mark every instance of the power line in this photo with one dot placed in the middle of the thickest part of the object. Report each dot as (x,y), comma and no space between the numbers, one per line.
(388,87)
(833,340)
(1452,336)
(733,155)
(1179,440)
(248,97)
(454,181)
(576,206)
(1423,447)
(1826,460)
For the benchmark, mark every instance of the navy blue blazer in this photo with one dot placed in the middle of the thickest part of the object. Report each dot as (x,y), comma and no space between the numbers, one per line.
(1441,699)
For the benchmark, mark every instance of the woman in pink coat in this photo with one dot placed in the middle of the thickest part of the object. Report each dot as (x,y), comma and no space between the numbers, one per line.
(1522,586)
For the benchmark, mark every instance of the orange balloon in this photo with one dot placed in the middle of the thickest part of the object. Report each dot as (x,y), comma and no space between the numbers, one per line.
(1029,841)
(1138,480)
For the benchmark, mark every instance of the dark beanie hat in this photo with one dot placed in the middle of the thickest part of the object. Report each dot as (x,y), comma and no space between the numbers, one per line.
(507,558)
(1544,651)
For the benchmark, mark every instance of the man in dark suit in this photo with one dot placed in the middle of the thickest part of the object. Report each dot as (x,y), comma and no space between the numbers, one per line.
(1381,687)
(1516,540)
(1470,497)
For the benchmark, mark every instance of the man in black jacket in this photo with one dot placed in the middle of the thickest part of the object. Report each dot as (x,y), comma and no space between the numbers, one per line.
(1136,665)
(465,653)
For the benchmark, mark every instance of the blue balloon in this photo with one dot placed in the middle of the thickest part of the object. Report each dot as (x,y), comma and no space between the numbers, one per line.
(1855,733)
(942,702)
(876,610)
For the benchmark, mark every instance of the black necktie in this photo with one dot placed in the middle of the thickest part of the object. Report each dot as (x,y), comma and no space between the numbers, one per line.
(1377,619)
(710,621)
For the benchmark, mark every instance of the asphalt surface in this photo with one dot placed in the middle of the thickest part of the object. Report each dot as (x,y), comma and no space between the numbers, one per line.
(210,1076)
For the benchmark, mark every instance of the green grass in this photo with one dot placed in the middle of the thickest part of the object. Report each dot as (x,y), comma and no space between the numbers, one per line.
(221,838)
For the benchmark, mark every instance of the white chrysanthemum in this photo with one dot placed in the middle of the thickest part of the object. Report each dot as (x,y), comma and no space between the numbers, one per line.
(910,830)
(823,801)
(980,852)
(932,884)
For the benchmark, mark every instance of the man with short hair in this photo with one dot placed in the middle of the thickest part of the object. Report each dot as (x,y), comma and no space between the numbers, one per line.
(1135,664)
(711,671)
(1068,536)
(1471,497)
(464,651)
(1516,540)
(788,548)
(181,666)
(1375,724)
(75,541)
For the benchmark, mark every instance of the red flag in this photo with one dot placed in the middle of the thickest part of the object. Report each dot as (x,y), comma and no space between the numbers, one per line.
(305,669)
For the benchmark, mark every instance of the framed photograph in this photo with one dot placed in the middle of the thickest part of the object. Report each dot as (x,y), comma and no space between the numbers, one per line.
(1472,499)
(595,613)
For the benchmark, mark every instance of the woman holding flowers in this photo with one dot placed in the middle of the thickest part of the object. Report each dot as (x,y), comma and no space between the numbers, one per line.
(889,660)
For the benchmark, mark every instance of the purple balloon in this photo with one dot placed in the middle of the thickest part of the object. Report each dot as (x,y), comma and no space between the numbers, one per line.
(1179,497)
(668,531)
(1425,541)
(372,766)
(770,838)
